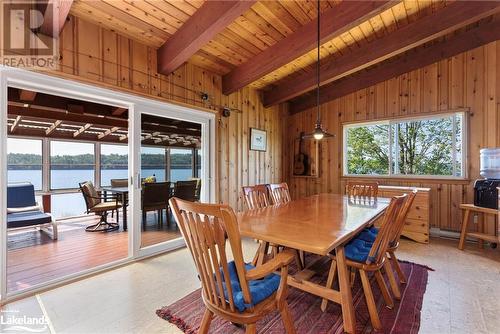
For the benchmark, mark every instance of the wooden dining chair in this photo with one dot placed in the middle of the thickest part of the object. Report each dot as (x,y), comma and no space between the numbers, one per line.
(368,190)
(235,291)
(371,257)
(256,197)
(398,230)
(280,193)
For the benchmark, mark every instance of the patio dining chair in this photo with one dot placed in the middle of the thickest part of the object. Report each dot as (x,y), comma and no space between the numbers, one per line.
(186,190)
(100,205)
(119,183)
(233,290)
(155,197)
(370,257)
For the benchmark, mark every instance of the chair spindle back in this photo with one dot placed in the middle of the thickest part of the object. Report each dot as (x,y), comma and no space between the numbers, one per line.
(386,231)
(204,228)
(401,218)
(362,189)
(256,197)
(280,193)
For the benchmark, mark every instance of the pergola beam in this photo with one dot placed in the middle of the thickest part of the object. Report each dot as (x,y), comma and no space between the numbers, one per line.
(334,22)
(210,19)
(108,132)
(81,130)
(53,127)
(414,59)
(15,124)
(454,16)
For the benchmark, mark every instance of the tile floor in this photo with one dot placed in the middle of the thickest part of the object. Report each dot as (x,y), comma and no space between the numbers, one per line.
(463,294)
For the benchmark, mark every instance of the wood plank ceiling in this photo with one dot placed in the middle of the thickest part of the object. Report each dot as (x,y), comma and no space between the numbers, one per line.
(264,25)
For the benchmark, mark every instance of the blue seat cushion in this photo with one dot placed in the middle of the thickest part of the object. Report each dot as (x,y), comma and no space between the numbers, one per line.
(20,195)
(259,289)
(368,234)
(27,218)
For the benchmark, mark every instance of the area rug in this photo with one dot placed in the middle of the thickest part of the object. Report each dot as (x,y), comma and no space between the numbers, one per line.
(187,312)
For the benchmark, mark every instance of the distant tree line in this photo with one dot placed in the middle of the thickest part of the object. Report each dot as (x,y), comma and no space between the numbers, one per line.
(20,161)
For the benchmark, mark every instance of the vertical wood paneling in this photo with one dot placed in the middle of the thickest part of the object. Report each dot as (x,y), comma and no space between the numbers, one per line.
(471,79)
(101,56)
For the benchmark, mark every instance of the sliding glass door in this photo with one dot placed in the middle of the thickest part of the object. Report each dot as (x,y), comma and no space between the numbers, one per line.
(168,168)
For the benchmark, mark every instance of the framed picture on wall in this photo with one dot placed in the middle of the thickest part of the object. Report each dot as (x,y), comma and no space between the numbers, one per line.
(258,139)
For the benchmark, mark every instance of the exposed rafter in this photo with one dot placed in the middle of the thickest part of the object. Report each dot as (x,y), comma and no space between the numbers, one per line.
(335,21)
(455,15)
(118,111)
(54,17)
(210,19)
(414,59)
(27,95)
(41,112)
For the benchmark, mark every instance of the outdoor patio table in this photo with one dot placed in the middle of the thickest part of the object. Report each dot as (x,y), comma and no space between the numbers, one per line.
(122,192)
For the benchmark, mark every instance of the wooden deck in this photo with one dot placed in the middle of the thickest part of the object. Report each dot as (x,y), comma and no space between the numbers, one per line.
(34,258)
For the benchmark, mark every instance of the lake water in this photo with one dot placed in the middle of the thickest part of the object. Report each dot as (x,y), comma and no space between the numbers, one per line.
(64,205)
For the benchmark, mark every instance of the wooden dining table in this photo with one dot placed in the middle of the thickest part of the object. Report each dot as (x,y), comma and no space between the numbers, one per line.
(316,224)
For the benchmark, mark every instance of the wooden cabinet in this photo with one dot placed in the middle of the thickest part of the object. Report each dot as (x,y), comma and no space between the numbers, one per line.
(417,221)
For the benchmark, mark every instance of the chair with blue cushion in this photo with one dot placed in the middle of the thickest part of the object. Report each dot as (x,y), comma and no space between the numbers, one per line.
(23,211)
(233,290)
(370,256)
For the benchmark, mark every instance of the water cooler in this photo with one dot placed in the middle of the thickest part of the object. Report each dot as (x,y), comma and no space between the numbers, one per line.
(485,190)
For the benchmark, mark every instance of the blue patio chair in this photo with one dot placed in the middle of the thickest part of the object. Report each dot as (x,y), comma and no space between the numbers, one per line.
(23,211)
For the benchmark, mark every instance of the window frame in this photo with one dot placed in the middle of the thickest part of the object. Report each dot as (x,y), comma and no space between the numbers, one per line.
(464,112)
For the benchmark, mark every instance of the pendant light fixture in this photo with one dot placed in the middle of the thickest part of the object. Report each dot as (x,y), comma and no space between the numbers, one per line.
(318,132)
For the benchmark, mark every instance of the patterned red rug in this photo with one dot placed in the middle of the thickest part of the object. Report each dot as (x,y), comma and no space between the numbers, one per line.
(187,312)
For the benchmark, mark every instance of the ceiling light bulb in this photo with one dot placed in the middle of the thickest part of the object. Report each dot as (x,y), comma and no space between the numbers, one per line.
(318,135)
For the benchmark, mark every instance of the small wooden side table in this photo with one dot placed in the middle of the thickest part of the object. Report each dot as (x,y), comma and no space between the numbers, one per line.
(479,235)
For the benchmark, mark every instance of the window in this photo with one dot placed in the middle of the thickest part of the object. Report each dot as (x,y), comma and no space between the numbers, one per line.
(153,162)
(70,164)
(181,164)
(430,146)
(114,163)
(24,160)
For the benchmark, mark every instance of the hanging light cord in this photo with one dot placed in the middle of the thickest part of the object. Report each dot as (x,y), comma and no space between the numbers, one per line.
(318,120)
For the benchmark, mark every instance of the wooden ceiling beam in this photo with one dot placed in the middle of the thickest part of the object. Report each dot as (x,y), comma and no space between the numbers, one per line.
(414,59)
(53,127)
(210,19)
(334,22)
(454,16)
(55,13)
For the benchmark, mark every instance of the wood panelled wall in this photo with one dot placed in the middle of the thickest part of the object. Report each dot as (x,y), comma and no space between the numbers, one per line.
(101,57)
(471,80)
